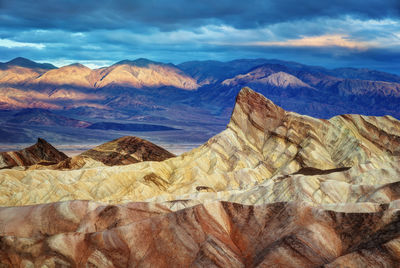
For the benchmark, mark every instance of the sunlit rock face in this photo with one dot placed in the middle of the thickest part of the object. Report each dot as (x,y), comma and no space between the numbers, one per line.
(140,73)
(275,189)
(262,145)
(143,73)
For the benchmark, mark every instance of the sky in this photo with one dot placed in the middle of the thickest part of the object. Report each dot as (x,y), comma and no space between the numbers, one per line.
(329,33)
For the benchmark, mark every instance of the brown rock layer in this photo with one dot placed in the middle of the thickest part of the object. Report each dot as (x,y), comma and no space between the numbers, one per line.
(275,189)
(127,150)
(218,234)
(261,151)
(122,151)
(40,153)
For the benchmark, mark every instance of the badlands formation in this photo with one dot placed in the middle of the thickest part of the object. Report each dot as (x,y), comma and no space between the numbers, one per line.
(123,151)
(275,189)
(40,153)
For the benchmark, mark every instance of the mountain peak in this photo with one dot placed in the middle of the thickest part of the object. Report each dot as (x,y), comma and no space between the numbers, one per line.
(141,62)
(127,150)
(27,63)
(252,107)
(284,80)
(40,152)
(77,64)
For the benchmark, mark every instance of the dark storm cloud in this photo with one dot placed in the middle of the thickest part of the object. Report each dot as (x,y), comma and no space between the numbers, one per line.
(353,32)
(78,15)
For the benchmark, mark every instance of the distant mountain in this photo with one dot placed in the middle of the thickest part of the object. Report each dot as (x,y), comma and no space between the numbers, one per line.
(191,96)
(128,127)
(75,75)
(364,74)
(211,72)
(141,62)
(283,80)
(45,118)
(143,73)
(40,153)
(26,63)
(21,71)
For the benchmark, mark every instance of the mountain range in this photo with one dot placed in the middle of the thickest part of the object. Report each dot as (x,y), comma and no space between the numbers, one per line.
(274,189)
(194,98)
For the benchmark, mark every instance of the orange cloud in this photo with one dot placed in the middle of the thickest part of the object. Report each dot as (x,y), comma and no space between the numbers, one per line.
(317,41)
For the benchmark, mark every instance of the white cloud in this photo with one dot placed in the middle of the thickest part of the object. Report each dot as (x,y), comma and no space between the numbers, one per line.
(12,44)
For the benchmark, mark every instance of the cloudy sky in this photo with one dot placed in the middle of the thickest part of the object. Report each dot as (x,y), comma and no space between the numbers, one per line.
(334,33)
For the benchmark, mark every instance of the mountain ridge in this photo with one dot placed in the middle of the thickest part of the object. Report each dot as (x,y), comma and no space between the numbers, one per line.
(275,188)
(261,141)
(192,96)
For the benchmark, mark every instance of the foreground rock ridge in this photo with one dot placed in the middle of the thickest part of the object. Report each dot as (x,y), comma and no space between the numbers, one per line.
(218,234)
(275,189)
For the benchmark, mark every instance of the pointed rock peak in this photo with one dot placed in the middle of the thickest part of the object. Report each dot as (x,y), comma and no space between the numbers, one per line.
(43,142)
(23,62)
(20,60)
(252,107)
(43,145)
(40,152)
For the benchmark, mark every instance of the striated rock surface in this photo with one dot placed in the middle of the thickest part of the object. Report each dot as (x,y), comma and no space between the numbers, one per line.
(275,189)
(40,153)
(122,151)
(218,234)
(263,144)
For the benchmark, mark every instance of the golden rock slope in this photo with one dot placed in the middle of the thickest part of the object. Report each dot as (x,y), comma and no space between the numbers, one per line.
(262,147)
(302,192)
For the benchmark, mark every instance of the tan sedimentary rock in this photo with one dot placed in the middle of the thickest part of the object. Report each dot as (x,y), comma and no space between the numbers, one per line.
(262,141)
(275,189)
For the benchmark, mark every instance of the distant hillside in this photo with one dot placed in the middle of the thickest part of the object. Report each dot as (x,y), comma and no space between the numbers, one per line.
(45,118)
(195,97)
(128,127)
